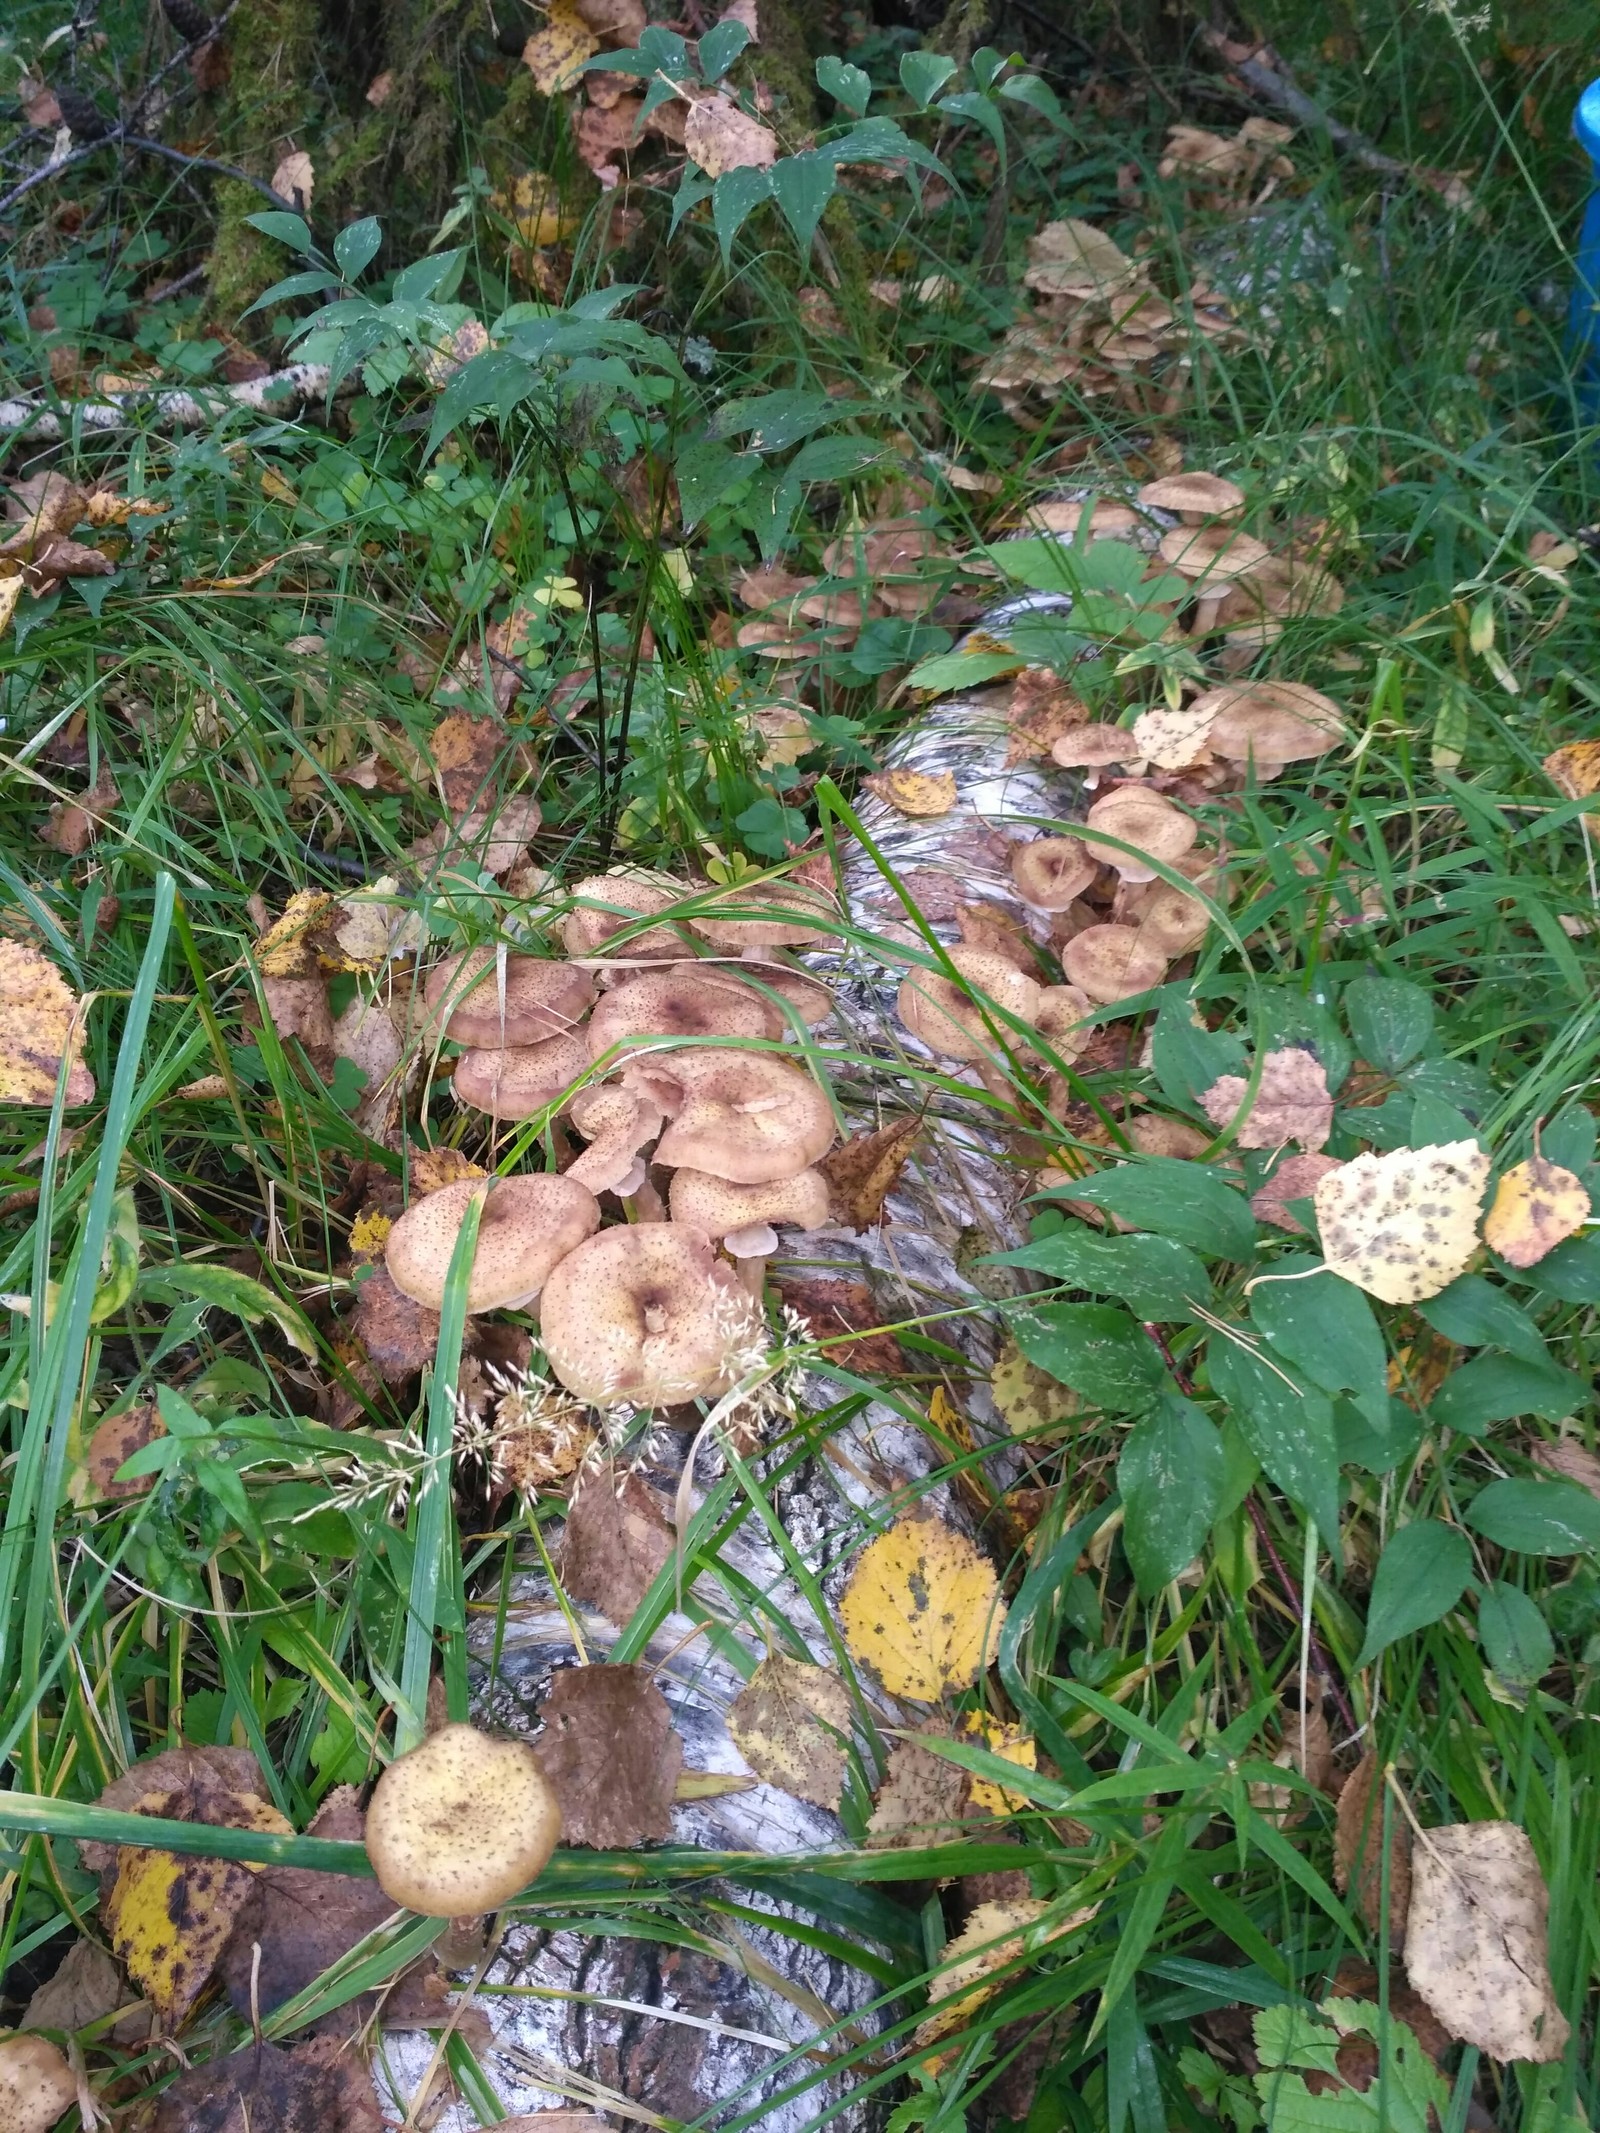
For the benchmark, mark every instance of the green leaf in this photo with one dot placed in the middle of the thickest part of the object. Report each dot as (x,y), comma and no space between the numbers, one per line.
(982,111)
(803,185)
(924,74)
(1475,1314)
(1286,1422)
(1188,1060)
(1378,1443)
(1097,1350)
(705,472)
(1170,1478)
(1327,1328)
(1493,1388)
(734,198)
(1537,1517)
(720,47)
(774,421)
(847,85)
(880,140)
(1037,95)
(1569,1138)
(1043,566)
(1421,1575)
(1176,1199)
(1390,1019)
(1571,1271)
(283,228)
(224,1290)
(1516,1638)
(951,672)
(834,458)
(356,246)
(1156,1277)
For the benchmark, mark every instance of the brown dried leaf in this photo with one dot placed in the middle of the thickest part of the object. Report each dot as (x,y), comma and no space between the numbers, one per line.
(299,1008)
(919,1801)
(39,1026)
(1537,1205)
(1041,710)
(465,750)
(380,88)
(400,1336)
(791,1723)
(1292,1102)
(865,1169)
(1575,771)
(1573,1462)
(914,792)
(614,22)
(1477,1940)
(609,1750)
(606,134)
(828,1306)
(1358,1849)
(616,1542)
(116,1439)
(719,137)
(72,825)
(1294,1179)
(294,180)
(86,1985)
(319,2087)
(301,1920)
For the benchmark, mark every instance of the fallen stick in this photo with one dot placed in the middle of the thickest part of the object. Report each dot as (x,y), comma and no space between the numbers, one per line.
(281,391)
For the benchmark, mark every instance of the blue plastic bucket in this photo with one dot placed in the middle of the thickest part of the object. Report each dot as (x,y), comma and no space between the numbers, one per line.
(1583,317)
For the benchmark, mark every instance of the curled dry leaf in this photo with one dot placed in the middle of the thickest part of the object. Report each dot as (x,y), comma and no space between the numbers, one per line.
(1292,1102)
(1295,1179)
(72,825)
(40,1025)
(995,1937)
(289,946)
(1575,770)
(864,1170)
(719,137)
(923,1610)
(1477,1940)
(827,1307)
(791,1723)
(554,54)
(294,180)
(914,792)
(1573,1462)
(609,1751)
(1358,1850)
(1402,1226)
(919,1801)
(1537,1205)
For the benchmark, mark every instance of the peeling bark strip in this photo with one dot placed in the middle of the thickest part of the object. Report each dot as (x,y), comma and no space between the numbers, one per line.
(280,392)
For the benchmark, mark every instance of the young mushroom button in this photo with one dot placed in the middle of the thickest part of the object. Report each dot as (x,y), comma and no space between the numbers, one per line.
(461,1824)
(748,1116)
(527,1225)
(540,999)
(648,1316)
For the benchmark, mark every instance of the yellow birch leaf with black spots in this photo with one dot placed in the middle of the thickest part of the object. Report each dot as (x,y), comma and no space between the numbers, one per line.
(995,1938)
(288,948)
(791,1723)
(1028,1399)
(554,54)
(923,1610)
(1403,1225)
(1537,1205)
(40,1024)
(915,792)
(1012,1745)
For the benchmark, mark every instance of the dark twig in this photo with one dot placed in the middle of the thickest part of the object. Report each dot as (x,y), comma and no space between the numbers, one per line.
(1268,78)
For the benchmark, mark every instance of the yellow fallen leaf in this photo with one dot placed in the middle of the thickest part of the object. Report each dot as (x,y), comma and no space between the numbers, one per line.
(995,1937)
(1537,1205)
(1012,1745)
(40,1025)
(286,949)
(369,1233)
(1575,770)
(915,792)
(10,595)
(720,137)
(432,1169)
(554,54)
(1029,1399)
(923,1610)
(276,489)
(1402,1226)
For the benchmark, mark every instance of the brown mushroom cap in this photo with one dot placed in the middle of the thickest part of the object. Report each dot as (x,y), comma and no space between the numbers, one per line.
(1108,518)
(1169,920)
(748,1116)
(952,1024)
(644,1315)
(616,1123)
(769,914)
(679,1002)
(810,998)
(1063,1010)
(1211,553)
(527,1226)
(1145,820)
(1112,963)
(605,903)
(520,1079)
(1272,722)
(1095,747)
(461,1824)
(1051,871)
(718,1206)
(36,2084)
(542,998)
(1195,497)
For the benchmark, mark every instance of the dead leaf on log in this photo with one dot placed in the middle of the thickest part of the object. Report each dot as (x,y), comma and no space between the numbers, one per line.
(609,1750)
(300,1919)
(616,1543)
(863,1172)
(845,1307)
(791,1723)
(919,1801)
(319,2087)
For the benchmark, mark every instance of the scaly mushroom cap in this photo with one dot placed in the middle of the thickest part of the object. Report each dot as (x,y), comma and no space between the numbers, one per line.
(1141,818)
(718,1206)
(645,1316)
(748,1116)
(1212,554)
(1272,722)
(1195,497)
(808,996)
(678,1002)
(1062,1013)
(1112,963)
(1108,519)
(950,1023)
(542,999)
(616,1123)
(605,903)
(521,1079)
(1051,871)
(528,1224)
(1169,920)
(1095,747)
(770,914)
(461,1824)
(36,2084)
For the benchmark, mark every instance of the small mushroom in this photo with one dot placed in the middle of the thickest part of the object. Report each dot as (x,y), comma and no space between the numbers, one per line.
(748,1116)
(528,1224)
(1271,723)
(519,1080)
(742,1215)
(1063,1010)
(36,2084)
(1169,920)
(540,998)
(679,1002)
(1136,816)
(647,1316)
(1112,963)
(1213,556)
(769,914)
(1051,871)
(616,1123)
(1095,747)
(945,1017)
(461,1824)
(603,904)
(1108,520)
(1196,498)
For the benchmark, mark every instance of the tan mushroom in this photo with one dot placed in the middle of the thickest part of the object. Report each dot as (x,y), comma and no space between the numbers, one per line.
(528,1225)
(945,1017)
(616,1123)
(461,1824)
(37,2086)
(748,1116)
(540,999)
(1107,520)
(1213,556)
(1169,920)
(1196,498)
(679,1002)
(1112,963)
(769,914)
(810,999)
(742,1216)
(603,904)
(1095,747)
(1051,871)
(1063,1010)
(1143,819)
(1271,723)
(519,1080)
(646,1316)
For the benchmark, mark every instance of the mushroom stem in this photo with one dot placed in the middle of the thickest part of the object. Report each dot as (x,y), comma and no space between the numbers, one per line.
(750,1248)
